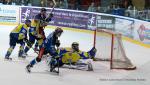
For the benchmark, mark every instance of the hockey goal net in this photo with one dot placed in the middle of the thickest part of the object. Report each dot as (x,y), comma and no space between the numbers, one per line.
(110,48)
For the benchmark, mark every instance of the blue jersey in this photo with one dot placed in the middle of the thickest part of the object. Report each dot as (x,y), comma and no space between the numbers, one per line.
(50,41)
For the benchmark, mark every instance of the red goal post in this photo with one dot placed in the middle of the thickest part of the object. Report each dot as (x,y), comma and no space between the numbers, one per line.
(110,48)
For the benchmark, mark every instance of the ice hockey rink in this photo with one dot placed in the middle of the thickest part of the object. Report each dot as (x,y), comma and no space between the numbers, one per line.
(13,73)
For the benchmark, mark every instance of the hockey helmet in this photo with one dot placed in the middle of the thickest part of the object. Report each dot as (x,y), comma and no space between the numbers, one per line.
(75,46)
(58,30)
(27,21)
(43,9)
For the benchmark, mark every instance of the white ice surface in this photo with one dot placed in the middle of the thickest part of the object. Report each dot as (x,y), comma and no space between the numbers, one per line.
(13,73)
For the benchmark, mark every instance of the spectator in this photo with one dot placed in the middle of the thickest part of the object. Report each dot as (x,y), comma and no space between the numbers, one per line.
(78,5)
(50,3)
(27,2)
(61,4)
(92,8)
(36,2)
(100,9)
(1,1)
(43,3)
(71,4)
(7,2)
(110,8)
(17,2)
(66,4)
(57,3)
(129,11)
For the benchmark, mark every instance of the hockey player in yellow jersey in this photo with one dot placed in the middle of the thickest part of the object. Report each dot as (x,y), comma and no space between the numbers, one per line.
(36,31)
(17,35)
(73,56)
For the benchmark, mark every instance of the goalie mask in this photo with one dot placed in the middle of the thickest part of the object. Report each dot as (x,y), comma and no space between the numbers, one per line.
(75,46)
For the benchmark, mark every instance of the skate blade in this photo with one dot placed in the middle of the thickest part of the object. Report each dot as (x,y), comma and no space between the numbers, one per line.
(27,70)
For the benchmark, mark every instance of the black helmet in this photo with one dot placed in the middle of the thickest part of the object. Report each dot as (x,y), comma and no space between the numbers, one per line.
(43,9)
(27,21)
(58,30)
(75,46)
(75,43)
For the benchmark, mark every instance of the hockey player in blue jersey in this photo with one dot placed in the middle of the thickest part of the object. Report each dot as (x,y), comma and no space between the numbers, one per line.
(48,46)
(18,35)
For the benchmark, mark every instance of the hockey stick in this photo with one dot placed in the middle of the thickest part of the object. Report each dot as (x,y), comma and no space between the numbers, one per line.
(29,43)
(53,7)
(50,14)
(53,66)
(58,63)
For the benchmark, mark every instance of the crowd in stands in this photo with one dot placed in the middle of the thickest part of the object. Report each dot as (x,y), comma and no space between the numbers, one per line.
(122,9)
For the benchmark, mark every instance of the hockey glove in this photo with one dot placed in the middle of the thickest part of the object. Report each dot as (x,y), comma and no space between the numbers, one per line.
(51,15)
(57,43)
(57,58)
(21,36)
(28,42)
(34,33)
(38,36)
(48,19)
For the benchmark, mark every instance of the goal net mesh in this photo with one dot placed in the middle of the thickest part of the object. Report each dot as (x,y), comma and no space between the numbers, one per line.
(110,48)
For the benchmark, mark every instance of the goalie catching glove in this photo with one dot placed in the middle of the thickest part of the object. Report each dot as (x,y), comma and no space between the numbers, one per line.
(49,17)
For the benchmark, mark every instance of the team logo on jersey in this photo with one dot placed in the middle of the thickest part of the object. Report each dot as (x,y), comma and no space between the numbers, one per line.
(24,31)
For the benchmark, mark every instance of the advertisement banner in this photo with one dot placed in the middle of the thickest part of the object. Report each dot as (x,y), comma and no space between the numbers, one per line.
(64,18)
(105,22)
(125,26)
(142,31)
(132,28)
(9,15)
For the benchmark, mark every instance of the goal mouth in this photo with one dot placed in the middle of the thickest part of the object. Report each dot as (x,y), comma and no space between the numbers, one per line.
(110,48)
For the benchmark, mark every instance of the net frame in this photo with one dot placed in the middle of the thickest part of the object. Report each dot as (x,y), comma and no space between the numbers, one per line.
(111,60)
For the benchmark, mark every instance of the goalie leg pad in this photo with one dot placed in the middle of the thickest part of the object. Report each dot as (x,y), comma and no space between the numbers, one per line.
(85,63)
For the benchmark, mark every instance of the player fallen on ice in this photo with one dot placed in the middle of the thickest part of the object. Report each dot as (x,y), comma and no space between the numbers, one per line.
(48,47)
(74,58)
(18,35)
(36,31)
